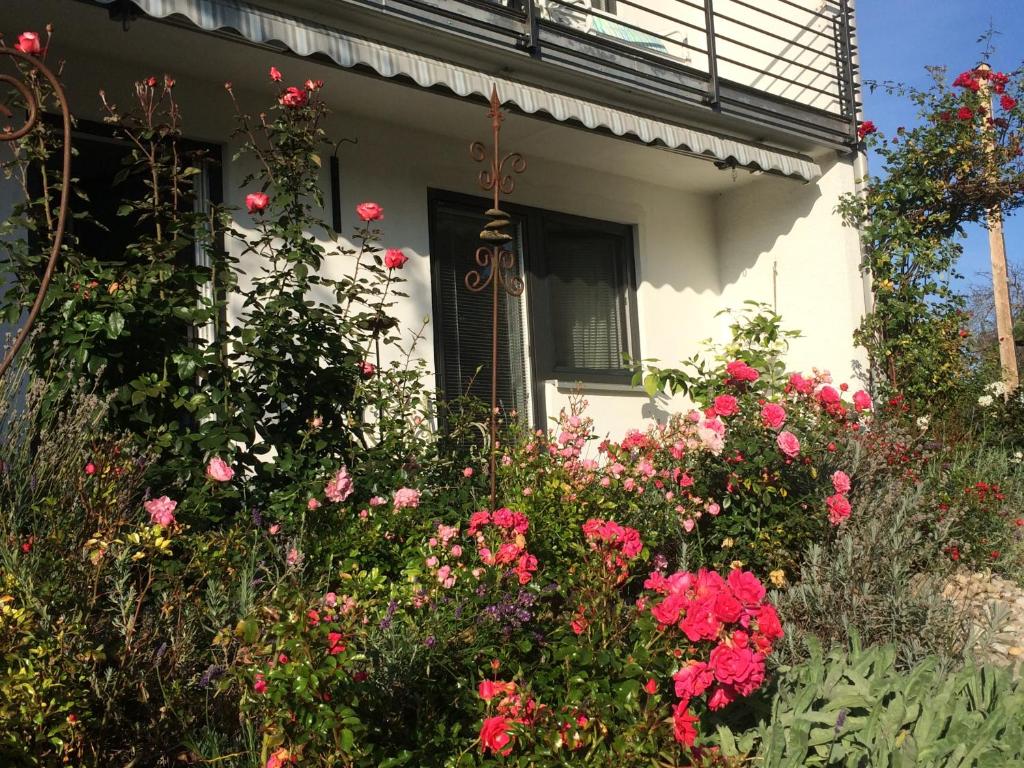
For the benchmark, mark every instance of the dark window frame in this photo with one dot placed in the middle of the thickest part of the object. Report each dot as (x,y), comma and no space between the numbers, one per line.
(540,351)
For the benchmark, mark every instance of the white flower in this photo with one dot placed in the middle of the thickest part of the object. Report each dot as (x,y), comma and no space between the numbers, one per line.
(1018,457)
(985,401)
(997,388)
(923,421)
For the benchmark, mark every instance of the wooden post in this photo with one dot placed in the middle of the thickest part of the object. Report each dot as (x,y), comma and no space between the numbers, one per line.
(1000,280)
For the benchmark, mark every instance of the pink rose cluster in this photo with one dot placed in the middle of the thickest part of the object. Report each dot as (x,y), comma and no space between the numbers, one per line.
(618,544)
(501,541)
(838,504)
(407,498)
(445,553)
(728,616)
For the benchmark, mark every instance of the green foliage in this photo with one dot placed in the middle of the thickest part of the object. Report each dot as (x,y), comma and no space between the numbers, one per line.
(950,170)
(856,708)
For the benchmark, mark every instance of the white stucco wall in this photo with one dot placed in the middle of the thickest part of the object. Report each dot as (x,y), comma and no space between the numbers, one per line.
(705,239)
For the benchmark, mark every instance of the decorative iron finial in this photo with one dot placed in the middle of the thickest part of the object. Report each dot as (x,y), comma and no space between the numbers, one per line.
(496,263)
(33,108)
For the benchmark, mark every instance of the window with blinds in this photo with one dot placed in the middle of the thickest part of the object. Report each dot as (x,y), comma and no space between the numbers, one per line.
(578,314)
(463,318)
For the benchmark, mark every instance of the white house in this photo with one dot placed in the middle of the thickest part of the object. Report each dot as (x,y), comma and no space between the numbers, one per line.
(684,155)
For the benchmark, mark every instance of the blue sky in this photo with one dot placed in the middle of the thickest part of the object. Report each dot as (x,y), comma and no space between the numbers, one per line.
(899,38)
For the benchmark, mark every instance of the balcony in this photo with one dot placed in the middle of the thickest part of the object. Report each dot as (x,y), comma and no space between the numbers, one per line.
(767,68)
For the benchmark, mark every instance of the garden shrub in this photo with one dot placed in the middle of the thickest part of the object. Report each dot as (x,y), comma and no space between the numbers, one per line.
(856,708)
(752,477)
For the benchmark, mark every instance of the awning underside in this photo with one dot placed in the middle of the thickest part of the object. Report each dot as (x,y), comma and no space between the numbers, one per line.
(307,38)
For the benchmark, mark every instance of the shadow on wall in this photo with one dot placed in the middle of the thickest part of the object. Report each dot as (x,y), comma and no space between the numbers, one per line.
(751,221)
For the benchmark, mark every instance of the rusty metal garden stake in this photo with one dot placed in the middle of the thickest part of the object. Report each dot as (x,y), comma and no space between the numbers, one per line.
(7,134)
(496,264)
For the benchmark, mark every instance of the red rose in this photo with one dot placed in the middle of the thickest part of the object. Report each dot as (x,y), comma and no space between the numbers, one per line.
(683,724)
(394,258)
(28,42)
(727,608)
(1007,102)
(314,85)
(726,405)
(275,74)
(367,369)
(732,665)
(488,689)
(151,82)
(293,97)
(334,644)
(495,736)
(90,468)
(866,129)
(369,212)
(256,202)
(965,113)
(746,587)
(788,444)
(768,623)
(651,686)
(693,679)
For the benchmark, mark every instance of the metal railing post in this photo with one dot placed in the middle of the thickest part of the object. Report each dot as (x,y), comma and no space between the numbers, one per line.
(713,97)
(846,48)
(530,39)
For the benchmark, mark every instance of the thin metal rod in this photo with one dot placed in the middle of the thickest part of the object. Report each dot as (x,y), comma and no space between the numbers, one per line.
(714,97)
(65,187)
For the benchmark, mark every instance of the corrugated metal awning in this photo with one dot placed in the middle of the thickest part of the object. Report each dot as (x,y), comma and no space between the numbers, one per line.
(306,38)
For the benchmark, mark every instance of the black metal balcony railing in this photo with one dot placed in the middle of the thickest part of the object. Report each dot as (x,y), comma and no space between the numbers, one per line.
(788,64)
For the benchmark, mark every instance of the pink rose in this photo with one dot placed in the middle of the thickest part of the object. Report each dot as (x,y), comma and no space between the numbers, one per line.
(467,472)
(726,405)
(161,511)
(841,481)
(739,372)
(256,202)
(293,97)
(407,498)
(838,508)
(369,212)
(828,395)
(260,683)
(788,444)
(275,74)
(378,501)
(394,258)
(28,42)
(314,85)
(219,471)
(312,504)
(802,385)
(773,415)
(367,369)
(862,400)
(339,487)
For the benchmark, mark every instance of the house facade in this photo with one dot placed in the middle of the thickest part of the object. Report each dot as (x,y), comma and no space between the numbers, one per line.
(683,156)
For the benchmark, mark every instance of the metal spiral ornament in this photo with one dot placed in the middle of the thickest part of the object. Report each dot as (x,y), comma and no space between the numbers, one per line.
(496,263)
(33,108)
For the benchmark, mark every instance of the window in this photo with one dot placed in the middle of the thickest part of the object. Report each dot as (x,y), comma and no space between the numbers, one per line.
(97,167)
(578,313)
(608,6)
